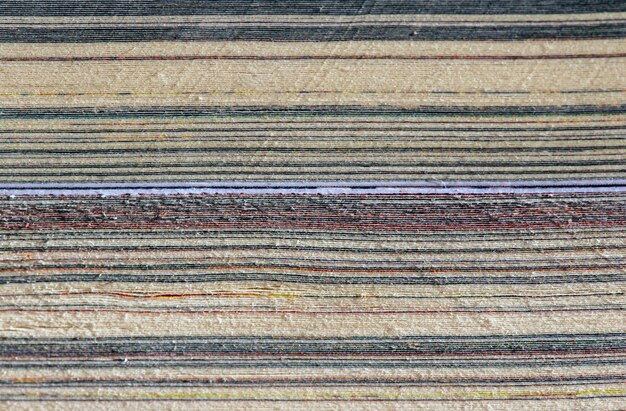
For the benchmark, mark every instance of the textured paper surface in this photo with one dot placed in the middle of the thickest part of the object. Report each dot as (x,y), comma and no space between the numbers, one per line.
(385,205)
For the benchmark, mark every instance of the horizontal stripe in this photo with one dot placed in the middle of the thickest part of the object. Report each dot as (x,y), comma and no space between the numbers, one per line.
(374,49)
(430,85)
(316,57)
(318,7)
(319,19)
(297,33)
(329,111)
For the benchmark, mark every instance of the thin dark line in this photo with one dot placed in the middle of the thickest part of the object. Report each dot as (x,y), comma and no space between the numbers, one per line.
(311,57)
